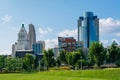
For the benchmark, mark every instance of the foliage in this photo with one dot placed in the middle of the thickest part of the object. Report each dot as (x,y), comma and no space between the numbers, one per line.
(97,53)
(49,58)
(58,62)
(113,53)
(13,64)
(118,63)
(28,62)
(75,59)
(62,57)
(41,65)
(2,62)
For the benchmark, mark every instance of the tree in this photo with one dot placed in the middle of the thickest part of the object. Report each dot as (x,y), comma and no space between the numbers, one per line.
(13,64)
(2,62)
(113,53)
(42,64)
(75,58)
(49,58)
(97,53)
(28,62)
(69,58)
(62,56)
(58,63)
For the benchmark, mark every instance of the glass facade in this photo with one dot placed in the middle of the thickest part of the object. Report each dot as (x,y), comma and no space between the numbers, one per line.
(88,29)
(38,47)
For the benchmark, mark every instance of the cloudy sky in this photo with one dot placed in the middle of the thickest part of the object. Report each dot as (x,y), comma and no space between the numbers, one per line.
(53,18)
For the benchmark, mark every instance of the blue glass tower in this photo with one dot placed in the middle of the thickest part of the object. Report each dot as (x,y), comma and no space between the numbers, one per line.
(88,29)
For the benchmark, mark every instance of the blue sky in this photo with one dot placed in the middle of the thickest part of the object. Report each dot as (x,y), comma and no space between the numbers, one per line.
(53,18)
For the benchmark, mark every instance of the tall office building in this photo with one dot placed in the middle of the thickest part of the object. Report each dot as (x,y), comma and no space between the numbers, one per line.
(31,35)
(22,43)
(88,29)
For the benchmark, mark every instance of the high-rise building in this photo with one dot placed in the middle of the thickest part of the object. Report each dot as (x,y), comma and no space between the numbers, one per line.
(38,47)
(22,43)
(88,29)
(31,35)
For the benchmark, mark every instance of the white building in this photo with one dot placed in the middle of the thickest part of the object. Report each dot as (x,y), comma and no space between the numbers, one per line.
(22,42)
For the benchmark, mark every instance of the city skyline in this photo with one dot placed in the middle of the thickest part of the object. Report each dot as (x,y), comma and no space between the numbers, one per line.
(55,18)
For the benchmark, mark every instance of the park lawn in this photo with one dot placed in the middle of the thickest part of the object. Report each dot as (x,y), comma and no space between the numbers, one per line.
(104,74)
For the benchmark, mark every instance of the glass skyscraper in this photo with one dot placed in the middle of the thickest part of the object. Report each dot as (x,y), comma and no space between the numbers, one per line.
(88,29)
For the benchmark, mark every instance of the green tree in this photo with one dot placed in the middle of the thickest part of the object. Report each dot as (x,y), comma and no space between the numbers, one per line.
(28,62)
(2,62)
(49,58)
(13,64)
(62,57)
(97,53)
(113,53)
(58,63)
(75,58)
(69,58)
(42,64)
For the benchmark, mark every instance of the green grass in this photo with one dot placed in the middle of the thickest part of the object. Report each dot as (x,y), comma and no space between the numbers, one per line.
(105,74)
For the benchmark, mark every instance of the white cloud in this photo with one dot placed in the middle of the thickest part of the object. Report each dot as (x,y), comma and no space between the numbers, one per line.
(110,26)
(6,18)
(51,43)
(5,52)
(70,33)
(104,41)
(45,31)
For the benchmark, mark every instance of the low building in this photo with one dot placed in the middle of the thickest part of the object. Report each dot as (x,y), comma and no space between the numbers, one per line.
(67,43)
(22,53)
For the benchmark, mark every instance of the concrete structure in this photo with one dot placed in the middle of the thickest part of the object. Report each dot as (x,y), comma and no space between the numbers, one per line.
(31,35)
(38,47)
(88,29)
(14,47)
(56,52)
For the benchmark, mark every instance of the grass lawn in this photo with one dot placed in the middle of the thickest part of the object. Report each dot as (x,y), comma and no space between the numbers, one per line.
(105,74)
